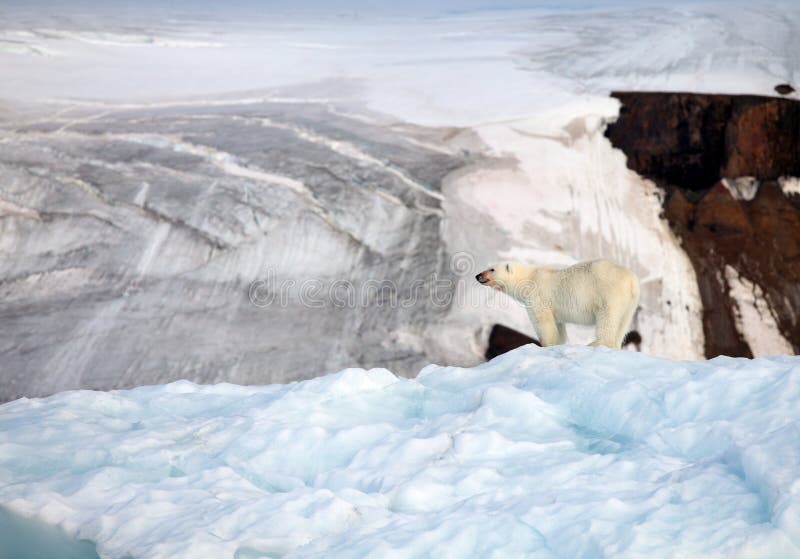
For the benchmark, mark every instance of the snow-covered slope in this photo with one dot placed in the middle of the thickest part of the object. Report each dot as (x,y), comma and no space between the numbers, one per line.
(558,192)
(558,452)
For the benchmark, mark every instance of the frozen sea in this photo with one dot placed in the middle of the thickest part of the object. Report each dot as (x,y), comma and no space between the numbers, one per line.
(560,452)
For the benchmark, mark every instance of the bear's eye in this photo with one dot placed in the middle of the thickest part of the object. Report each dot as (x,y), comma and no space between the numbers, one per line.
(508,269)
(491,269)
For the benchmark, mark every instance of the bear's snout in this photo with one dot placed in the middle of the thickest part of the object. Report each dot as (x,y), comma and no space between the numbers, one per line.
(484,277)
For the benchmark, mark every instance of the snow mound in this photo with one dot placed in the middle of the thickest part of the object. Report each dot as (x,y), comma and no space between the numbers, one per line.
(558,452)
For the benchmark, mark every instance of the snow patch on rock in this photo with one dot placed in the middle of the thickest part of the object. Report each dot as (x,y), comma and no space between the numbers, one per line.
(742,188)
(790,185)
(754,318)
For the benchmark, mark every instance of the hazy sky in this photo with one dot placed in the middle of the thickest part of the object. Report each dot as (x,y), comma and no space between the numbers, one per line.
(410,7)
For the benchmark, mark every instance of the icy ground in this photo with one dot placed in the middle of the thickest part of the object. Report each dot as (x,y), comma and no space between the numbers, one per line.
(561,452)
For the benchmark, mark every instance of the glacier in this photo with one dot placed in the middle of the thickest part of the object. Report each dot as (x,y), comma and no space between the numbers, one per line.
(188,219)
(559,452)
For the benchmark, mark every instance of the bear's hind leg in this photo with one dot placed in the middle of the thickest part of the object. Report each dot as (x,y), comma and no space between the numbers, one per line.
(625,323)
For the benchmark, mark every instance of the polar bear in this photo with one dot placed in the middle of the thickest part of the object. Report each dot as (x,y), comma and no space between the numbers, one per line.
(597,292)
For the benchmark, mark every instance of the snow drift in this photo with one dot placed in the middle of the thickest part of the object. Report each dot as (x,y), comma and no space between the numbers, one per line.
(557,452)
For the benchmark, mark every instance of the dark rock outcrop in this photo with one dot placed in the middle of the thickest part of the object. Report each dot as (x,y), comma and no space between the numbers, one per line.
(503,339)
(691,141)
(698,148)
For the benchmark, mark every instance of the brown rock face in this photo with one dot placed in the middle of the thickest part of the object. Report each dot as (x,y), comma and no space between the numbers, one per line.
(503,339)
(691,141)
(686,143)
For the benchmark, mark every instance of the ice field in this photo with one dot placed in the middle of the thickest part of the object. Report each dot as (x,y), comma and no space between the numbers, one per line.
(562,452)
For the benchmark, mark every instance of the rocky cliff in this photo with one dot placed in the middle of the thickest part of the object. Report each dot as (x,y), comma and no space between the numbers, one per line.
(727,166)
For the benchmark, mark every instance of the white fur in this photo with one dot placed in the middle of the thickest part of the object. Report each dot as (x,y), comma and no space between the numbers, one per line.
(597,292)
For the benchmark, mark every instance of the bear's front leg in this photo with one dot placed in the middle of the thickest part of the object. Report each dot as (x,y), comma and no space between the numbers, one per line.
(545,324)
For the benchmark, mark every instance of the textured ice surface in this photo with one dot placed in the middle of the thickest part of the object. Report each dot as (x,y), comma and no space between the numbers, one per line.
(558,452)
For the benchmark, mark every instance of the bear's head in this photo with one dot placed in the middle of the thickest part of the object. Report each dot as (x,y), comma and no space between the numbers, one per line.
(505,276)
